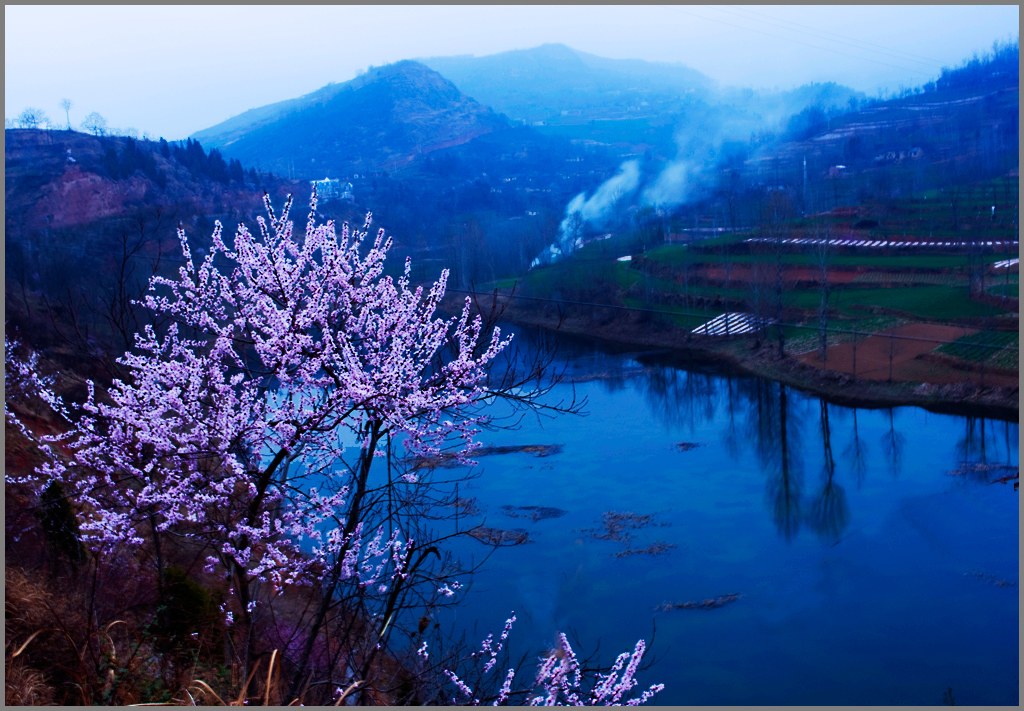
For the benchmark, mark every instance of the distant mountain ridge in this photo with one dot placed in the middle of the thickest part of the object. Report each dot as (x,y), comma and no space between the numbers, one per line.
(379,121)
(469,188)
(539,84)
(633,105)
(389,117)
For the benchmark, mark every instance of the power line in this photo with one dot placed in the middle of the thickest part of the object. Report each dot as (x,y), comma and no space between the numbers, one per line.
(931,62)
(833,50)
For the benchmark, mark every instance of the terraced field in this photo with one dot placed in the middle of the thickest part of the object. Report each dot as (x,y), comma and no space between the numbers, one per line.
(910,279)
(1000,349)
(901,301)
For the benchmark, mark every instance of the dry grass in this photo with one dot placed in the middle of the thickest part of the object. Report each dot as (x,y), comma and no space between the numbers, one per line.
(54,642)
(24,686)
(27,603)
(84,635)
(27,619)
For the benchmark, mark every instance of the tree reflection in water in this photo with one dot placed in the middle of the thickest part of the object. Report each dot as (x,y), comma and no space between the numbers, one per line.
(771,458)
(731,438)
(763,417)
(829,511)
(892,445)
(678,397)
(979,451)
(776,438)
(759,413)
(785,480)
(973,446)
(856,452)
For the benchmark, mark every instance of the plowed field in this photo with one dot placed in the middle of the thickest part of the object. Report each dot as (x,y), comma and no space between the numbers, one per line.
(870,357)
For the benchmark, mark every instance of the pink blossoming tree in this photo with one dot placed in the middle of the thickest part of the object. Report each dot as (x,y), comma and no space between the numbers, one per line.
(252,423)
(267,424)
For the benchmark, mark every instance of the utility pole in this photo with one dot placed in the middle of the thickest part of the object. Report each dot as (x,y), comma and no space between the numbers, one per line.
(804,188)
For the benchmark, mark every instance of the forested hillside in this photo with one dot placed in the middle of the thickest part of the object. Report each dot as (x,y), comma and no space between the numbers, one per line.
(88,219)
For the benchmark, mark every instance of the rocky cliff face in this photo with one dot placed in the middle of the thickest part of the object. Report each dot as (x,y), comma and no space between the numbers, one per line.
(77,197)
(65,179)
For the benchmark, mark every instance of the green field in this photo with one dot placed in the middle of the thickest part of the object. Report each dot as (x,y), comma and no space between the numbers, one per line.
(997,348)
(679,317)
(1011,289)
(700,254)
(887,286)
(938,299)
(911,278)
(928,303)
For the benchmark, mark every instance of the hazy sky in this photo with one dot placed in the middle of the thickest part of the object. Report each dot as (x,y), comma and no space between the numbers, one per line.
(173,70)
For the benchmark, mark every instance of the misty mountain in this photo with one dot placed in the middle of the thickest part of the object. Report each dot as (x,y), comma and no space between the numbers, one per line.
(421,154)
(390,118)
(961,127)
(623,102)
(466,187)
(937,141)
(379,121)
(554,82)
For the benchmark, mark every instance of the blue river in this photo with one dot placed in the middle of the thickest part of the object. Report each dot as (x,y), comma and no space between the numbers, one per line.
(771,547)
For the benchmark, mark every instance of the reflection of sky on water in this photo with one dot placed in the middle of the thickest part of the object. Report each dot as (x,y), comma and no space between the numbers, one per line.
(859,558)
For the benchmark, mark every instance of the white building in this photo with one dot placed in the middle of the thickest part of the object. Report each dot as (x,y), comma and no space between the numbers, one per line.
(333,189)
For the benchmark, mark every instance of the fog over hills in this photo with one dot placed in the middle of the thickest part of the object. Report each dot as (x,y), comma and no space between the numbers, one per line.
(653,136)
(388,117)
(555,85)
(461,185)
(455,178)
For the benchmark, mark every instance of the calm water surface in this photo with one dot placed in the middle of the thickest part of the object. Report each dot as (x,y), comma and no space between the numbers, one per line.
(867,571)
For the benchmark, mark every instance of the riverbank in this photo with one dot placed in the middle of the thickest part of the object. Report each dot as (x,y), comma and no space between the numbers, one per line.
(932,389)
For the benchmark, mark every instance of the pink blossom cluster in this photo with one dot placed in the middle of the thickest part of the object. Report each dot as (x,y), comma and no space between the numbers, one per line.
(488,646)
(560,679)
(232,424)
(23,381)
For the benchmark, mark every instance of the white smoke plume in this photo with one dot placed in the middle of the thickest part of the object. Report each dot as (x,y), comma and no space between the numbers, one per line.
(700,138)
(582,210)
(672,185)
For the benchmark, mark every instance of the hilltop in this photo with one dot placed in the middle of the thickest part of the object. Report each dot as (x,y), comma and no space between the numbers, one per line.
(626,103)
(378,122)
(554,81)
